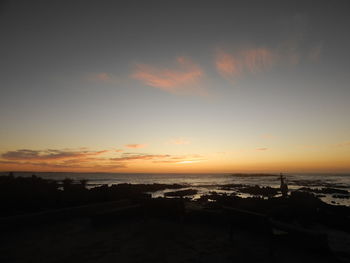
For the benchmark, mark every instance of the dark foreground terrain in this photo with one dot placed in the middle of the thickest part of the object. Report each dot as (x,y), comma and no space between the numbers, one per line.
(48,221)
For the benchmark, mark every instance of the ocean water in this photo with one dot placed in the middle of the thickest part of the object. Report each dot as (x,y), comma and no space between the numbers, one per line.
(205,183)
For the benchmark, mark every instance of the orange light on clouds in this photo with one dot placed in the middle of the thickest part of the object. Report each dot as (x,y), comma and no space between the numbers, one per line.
(136,146)
(182,80)
(227,65)
(191,161)
(179,141)
(244,62)
(258,60)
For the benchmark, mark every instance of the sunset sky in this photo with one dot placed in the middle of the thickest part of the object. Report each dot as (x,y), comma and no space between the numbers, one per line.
(175,86)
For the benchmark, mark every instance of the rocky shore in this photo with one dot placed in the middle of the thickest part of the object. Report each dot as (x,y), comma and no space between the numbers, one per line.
(227,224)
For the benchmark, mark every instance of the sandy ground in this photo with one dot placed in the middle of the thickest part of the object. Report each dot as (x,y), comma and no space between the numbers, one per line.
(144,240)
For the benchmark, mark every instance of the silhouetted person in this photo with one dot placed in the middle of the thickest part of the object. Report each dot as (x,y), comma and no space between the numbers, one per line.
(283,186)
(83,183)
(67,184)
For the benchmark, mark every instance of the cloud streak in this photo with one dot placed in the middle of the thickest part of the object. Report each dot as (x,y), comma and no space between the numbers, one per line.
(57,159)
(179,141)
(343,144)
(66,165)
(261,149)
(159,158)
(85,160)
(140,157)
(248,61)
(99,77)
(136,146)
(34,155)
(184,79)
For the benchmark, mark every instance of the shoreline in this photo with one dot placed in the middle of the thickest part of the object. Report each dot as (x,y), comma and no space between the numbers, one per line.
(107,213)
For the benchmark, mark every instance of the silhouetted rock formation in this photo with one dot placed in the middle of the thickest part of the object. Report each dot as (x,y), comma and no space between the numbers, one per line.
(257,190)
(33,194)
(182,193)
(325,190)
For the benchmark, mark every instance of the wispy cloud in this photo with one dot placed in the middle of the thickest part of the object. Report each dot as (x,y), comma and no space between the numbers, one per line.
(102,76)
(343,144)
(184,79)
(293,48)
(67,165)
(50,154)
(86,160)
(248,61)
(228,65)
(261,149)
(179,141)
(159,158)
(258,59)
(296,47)
(136,146)
(140,157)
(109,78)
(59,159)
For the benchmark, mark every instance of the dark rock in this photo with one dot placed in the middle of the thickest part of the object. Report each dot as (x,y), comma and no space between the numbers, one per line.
(182,193)
(257,190)
(324,190)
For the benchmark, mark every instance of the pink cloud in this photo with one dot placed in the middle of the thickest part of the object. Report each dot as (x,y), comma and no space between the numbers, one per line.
(228,65)
(258,59)
(184,79)
(247,61)
(135,146)
(179,141)
(100,77)
(103,76)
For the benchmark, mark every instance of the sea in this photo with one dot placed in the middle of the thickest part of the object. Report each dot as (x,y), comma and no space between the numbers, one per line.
(206,183)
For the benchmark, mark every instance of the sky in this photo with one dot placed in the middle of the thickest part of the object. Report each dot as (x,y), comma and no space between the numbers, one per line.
(175,86)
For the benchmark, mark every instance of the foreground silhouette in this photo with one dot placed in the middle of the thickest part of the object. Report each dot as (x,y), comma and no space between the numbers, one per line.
(123,223)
